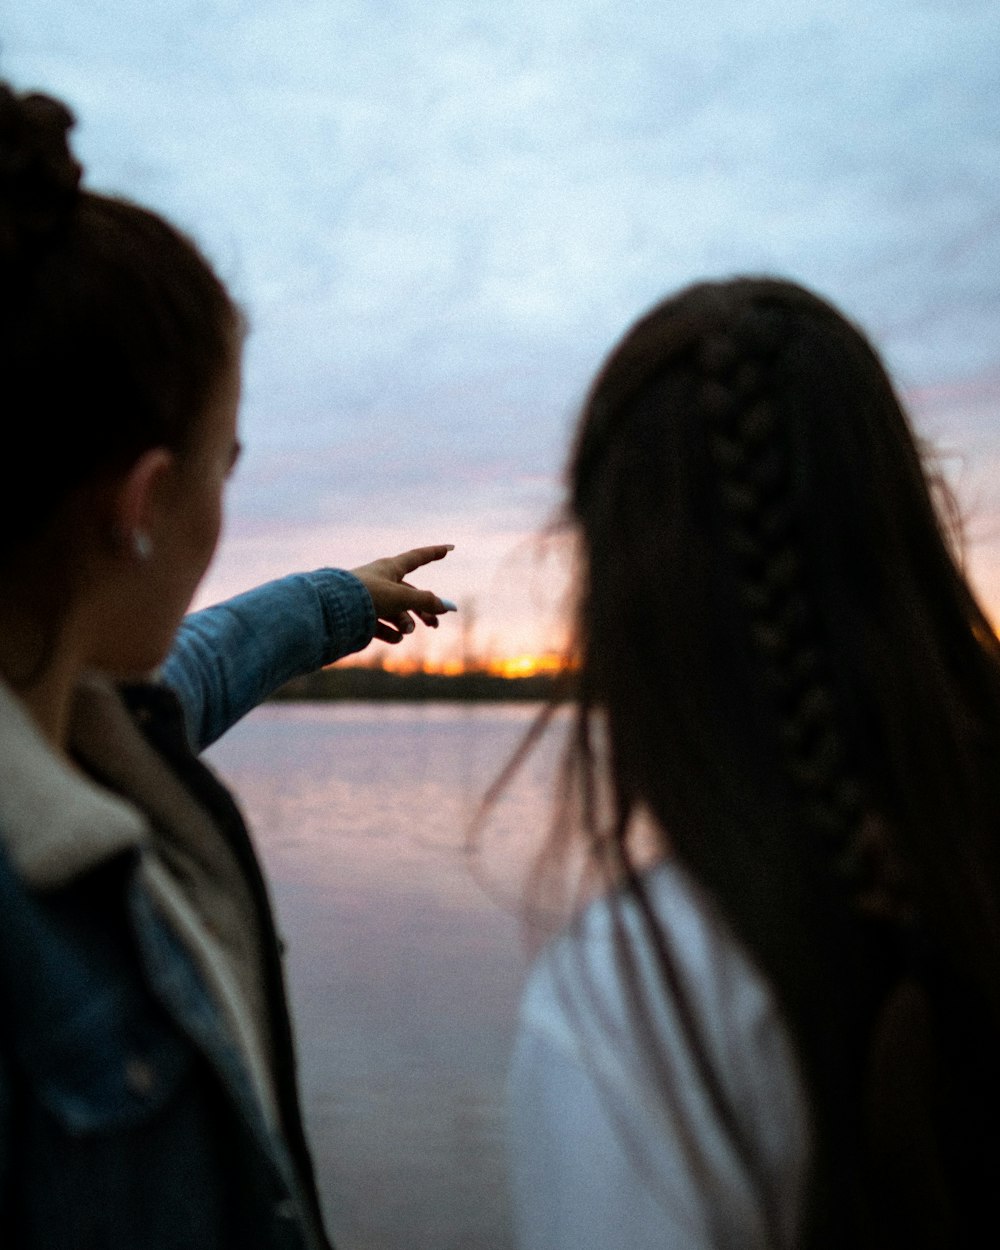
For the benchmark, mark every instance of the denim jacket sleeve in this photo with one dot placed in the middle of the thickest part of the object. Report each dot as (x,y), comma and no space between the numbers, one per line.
(228,658)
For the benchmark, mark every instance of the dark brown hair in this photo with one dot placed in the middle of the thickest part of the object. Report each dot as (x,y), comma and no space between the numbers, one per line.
(114,330)
(798,684)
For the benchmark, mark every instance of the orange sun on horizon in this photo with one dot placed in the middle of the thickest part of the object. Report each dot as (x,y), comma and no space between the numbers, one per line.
(548,663)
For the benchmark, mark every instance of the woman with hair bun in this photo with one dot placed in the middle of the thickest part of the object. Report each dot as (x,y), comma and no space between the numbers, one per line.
(784,1032)
(147,1081)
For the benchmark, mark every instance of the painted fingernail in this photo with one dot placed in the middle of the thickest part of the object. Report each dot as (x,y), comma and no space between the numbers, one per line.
(448,605)
(407,627)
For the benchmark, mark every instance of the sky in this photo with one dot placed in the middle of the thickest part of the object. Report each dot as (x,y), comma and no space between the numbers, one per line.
(440,217)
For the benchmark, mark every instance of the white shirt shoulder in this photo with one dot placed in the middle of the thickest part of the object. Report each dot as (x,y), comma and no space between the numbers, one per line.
(615,1138)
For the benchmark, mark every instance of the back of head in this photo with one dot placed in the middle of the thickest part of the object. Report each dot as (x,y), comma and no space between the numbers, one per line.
(800,686)
(114,331)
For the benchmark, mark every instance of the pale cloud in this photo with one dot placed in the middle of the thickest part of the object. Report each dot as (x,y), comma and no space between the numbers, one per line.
(439,217)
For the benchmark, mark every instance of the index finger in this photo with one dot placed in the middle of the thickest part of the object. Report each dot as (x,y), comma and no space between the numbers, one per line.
(418,556)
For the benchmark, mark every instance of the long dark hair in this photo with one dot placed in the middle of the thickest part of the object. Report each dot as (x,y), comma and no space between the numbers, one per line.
(114,329)
(797,683)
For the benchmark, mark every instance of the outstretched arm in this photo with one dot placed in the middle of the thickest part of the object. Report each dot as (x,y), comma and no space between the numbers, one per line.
(229,658)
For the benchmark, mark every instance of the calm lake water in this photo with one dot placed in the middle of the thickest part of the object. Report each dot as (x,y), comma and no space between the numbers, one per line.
(405,957)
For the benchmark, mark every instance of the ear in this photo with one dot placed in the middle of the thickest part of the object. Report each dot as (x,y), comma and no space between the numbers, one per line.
(138,497)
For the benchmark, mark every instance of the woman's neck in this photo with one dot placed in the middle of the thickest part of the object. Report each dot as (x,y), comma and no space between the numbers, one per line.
(49,701)
(41,669)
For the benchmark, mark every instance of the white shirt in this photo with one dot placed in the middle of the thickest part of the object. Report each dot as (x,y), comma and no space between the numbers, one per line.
(616,1144)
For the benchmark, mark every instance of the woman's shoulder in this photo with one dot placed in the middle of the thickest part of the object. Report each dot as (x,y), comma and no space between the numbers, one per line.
(633,1006)
(611,949)
(656,1023)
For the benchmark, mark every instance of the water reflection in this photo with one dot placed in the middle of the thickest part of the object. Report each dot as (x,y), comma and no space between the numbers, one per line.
(404,973)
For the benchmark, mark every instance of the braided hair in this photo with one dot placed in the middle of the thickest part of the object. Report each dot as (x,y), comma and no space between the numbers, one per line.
(799,686)
(752,453)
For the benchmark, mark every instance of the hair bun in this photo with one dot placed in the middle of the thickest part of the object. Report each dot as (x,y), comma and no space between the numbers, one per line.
(39,177)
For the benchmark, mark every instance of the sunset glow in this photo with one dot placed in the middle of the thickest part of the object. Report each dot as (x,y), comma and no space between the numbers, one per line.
(547,663)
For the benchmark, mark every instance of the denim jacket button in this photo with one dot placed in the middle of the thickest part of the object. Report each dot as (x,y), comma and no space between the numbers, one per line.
(139,1076)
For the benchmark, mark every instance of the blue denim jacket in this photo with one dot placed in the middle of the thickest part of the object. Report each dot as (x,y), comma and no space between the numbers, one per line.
(227,659)
(127,1115)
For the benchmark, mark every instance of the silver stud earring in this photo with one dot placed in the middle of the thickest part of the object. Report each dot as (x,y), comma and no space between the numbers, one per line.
(142,545)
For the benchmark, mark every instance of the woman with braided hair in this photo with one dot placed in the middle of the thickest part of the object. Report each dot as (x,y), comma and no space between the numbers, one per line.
(785,1031)
(147,1079)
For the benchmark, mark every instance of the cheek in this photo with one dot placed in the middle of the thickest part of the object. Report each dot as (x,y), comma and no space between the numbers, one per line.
(213,529)
(206,526)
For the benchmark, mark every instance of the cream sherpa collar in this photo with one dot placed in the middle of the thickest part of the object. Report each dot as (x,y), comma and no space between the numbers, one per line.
(56,823)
